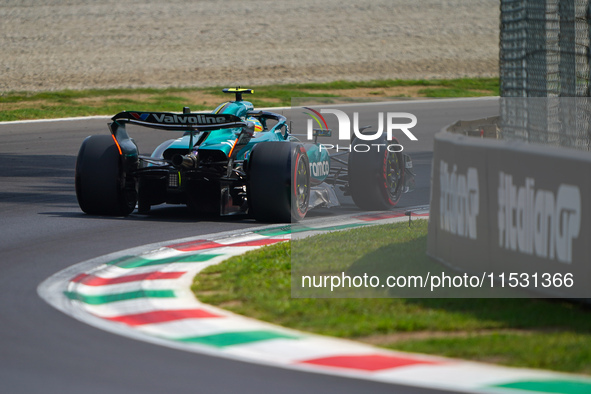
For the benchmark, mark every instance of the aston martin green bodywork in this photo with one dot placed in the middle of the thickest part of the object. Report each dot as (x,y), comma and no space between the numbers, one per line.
(234,160)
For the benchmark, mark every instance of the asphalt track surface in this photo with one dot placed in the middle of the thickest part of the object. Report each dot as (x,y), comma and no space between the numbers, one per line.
(43,231)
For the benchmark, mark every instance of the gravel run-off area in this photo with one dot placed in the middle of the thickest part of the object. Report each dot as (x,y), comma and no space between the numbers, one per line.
(80,44)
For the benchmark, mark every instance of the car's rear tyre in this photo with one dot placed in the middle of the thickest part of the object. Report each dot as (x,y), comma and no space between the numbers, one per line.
(278,182)
(101,187)
(376,177)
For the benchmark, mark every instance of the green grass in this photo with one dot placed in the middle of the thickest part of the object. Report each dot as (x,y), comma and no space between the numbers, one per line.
(521,332)
(46,105)
(566,351)
(67,103)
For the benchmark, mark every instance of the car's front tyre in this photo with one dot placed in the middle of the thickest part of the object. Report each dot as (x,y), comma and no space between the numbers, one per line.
(376,177)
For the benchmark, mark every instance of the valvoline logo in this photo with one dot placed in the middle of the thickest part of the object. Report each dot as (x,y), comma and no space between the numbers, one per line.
(143,116)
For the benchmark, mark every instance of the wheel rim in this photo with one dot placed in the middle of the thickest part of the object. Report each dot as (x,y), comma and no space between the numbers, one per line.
(393,177)
(301,188)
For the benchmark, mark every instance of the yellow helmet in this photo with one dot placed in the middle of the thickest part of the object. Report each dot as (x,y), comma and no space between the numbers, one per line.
(258,126)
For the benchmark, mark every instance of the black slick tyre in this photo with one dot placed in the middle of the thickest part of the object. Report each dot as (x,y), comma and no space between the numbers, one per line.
(376,177)
(101,187)
(278,182)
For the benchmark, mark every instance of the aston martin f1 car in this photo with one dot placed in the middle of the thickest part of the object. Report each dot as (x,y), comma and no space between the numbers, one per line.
(234,160)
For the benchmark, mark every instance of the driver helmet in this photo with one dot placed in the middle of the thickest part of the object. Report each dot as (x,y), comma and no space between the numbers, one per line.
(258,126)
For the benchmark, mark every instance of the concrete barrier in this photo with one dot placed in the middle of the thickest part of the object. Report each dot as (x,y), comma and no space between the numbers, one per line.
(517,211)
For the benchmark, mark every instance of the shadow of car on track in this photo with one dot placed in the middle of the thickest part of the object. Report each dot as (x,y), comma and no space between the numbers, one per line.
(173,214)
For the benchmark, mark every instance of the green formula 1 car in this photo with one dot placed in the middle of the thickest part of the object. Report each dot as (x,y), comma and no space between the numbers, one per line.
(234,160)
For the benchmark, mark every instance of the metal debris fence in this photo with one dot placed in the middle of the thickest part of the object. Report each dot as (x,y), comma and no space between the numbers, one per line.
(545,53)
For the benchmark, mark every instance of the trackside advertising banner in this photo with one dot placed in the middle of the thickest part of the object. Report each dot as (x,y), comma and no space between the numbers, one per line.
(459,199)
(507,219)
(515,213)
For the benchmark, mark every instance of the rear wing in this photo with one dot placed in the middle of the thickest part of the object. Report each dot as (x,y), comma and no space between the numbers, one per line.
(187,122)
(179,122)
